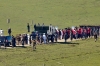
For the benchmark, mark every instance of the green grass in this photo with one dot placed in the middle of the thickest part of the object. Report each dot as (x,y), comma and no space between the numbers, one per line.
(86,53)
(59,13)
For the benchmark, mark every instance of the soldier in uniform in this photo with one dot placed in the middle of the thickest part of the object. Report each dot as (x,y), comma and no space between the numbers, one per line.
(34,44)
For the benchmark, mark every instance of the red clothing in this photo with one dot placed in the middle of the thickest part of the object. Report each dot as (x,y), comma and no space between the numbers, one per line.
(63,32)
(88,30)
(79,31)
(84,30)
(68,32)
(74,32)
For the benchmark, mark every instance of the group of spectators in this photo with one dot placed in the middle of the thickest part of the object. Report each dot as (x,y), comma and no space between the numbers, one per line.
(82,32)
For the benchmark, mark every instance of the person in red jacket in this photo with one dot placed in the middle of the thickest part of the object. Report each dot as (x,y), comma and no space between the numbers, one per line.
(74,34)
(80,33)
(88,32)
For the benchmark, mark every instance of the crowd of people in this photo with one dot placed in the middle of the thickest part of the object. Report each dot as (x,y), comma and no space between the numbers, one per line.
(67,33)
(81,32)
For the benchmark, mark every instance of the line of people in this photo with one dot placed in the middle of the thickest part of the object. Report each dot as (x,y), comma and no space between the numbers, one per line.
(79,33)
(67,33)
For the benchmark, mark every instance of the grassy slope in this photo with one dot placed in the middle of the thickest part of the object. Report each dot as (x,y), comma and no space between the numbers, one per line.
(87,53)
(61,13)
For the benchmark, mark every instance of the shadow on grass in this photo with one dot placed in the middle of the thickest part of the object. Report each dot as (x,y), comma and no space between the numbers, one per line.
(21,46)
(2,47)
(17,47)
(67,43)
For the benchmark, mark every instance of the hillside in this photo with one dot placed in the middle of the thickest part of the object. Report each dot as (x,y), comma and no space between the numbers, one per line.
(61,13)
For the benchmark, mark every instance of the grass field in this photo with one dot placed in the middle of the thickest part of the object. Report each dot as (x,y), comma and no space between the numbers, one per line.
(84,53)
(61,13)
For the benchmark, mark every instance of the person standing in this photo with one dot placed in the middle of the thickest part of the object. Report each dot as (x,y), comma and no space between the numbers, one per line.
(9,31)
(44,38)
(34,26)
(52,38)
(23,40)
(43,25)
(95,35)
(26,39)
(59,34)
(84,33)
(38,24)
(28,27)
(88,32)
(50,28)
(34,44)
(41,38)
(66,35)
(1,32)
(55,37)
(13,41)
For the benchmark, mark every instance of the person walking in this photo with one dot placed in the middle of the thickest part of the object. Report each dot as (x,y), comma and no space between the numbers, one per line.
(13,41)
(34,44)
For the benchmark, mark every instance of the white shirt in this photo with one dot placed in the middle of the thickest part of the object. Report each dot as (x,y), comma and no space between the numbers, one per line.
(44,37)
(1,32)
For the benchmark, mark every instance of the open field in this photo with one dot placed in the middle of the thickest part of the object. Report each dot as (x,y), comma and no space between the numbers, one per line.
(61,13)
(84,53)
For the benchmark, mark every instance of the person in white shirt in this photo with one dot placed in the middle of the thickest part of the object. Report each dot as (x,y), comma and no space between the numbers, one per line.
(1,32)
(61,37)
(44,38)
